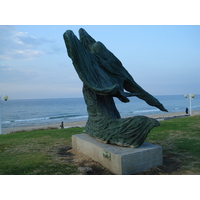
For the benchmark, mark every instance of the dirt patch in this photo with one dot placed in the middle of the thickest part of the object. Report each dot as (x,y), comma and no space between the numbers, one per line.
(169,167)
(77,159)
(69,156)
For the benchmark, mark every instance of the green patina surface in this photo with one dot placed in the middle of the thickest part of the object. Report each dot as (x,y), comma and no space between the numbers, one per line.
(104,77)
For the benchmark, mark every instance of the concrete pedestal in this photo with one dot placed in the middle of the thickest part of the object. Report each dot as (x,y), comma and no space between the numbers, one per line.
(119,160)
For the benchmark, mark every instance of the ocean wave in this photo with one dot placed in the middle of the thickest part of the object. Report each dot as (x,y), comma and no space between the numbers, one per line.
(145,111)
(198,106)
(79,117)
(65,116)
(6,122)
(45,118)
(26,120)
(177,108)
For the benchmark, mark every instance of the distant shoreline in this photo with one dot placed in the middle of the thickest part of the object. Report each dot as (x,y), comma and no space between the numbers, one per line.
(159,117)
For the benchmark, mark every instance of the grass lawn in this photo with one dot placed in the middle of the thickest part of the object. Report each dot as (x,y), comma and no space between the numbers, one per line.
(48,152)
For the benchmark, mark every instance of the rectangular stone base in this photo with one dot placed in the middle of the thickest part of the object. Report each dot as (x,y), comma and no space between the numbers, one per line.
(119,160)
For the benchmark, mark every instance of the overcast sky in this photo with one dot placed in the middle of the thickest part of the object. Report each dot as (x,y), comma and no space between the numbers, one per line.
(164,60)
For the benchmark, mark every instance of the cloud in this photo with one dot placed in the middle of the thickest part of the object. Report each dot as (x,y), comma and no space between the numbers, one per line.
(9,74)
(28,40)
(26,54)
(19,45)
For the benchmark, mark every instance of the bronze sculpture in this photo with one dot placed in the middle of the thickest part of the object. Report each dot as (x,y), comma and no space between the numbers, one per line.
(104,77)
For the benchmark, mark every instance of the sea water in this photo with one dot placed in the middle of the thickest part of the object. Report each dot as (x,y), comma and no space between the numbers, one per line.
(30,112)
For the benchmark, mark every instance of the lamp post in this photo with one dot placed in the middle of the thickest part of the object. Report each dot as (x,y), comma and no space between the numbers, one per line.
(190,96)
(6,99)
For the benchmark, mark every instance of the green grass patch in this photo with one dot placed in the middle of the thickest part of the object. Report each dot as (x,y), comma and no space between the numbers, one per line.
(36,152)
(44,152)
(180,140)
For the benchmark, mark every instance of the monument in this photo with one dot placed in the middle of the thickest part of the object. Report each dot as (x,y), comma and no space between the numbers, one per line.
(104,77)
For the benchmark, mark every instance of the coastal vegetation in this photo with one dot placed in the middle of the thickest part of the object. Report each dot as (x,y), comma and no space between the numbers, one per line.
(49,152)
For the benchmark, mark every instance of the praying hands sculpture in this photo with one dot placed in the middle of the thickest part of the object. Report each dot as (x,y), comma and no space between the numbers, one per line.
(104,77)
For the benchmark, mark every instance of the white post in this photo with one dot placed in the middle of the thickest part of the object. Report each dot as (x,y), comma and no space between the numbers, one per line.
(5,98)
(190,96)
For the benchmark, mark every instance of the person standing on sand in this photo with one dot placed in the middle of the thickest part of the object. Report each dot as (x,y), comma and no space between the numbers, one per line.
(62,125)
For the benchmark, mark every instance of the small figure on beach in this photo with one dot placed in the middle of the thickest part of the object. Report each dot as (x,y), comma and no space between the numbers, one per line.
(104,77)
(186,111)
(62,125)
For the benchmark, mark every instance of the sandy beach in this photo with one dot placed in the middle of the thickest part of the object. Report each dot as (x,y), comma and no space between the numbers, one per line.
(159,117)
